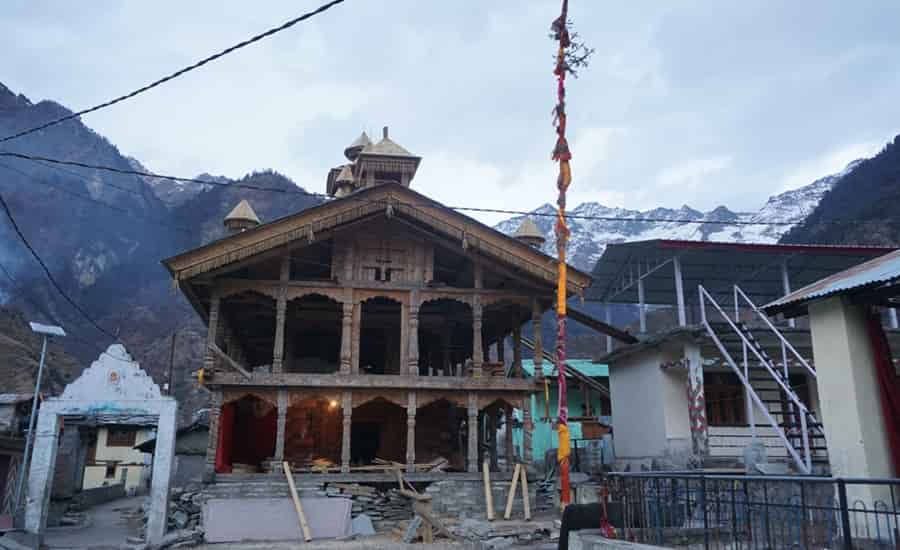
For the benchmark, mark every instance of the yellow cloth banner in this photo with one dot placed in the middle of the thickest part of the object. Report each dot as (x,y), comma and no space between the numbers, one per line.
(564,449)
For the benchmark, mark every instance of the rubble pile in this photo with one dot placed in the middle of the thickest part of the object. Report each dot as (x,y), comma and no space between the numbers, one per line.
(184,508)
(494,535)
(384,508)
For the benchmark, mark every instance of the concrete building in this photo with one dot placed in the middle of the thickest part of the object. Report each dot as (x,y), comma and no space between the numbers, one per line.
(712,375)
(589,414)
(113,459)
(191,442)
(859,387)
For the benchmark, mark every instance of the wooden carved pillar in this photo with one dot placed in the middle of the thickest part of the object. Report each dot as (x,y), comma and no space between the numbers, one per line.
(527,428)
(491,425)
(280,315)
(346,336)
(347,407)
(212,330)
(403,365)
(212,443)
(477,348)
(411,433)
(413,347)
(280,426)
(538,341)
(508,437)
(517,352)
(501,348)
(354,337)
(472,424)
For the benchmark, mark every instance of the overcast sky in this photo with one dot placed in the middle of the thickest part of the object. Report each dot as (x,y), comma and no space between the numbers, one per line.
(703,103)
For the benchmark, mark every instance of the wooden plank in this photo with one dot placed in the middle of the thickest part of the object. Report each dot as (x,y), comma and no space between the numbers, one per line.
(423,510)
(488,494)
(526,499)
(228,360)
(512,491)
(307,536)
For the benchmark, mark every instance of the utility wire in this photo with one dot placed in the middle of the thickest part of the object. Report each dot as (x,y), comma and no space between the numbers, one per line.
(177,73)
(49,275)
(324,197)
(93,200)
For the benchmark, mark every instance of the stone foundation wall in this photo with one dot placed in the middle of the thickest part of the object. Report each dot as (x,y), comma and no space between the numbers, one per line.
(455,498)
(451,498)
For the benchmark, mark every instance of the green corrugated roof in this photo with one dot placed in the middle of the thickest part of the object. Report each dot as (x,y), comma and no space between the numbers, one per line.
(586,366)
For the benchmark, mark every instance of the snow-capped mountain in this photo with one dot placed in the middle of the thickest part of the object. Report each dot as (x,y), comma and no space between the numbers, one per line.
(174,193)
(590,234)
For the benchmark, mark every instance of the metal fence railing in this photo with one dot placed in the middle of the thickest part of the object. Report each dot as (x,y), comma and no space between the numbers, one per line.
(689,510)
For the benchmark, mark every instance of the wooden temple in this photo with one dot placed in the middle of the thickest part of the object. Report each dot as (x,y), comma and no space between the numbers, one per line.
(377,326)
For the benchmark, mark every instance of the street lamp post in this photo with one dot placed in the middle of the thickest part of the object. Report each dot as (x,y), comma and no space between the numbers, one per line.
(46,331)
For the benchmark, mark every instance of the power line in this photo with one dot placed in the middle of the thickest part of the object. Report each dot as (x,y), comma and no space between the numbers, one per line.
(177,73)
(322,196)
(49,275)
(93,200)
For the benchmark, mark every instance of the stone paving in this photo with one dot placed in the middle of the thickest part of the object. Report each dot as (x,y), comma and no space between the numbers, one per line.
(108,527)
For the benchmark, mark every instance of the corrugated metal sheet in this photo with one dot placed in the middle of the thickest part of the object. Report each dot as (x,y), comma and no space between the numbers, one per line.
(585,366)
(883,269)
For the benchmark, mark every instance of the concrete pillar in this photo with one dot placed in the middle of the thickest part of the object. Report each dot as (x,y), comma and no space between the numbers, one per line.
(212,445)
(413,347)
(517,352)
(281,425)
(411,433)
(642,306)
(347,408)
(849,395)
(538,339)
(607,312)
(477,347)
(696,401)
(40,475)
(163,459)
(786,287)
(212,329)
(346,336)
(472,426)
(679,292)
(280,315)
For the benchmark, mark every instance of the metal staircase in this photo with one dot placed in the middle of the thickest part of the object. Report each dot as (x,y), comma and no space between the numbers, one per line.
(766,383)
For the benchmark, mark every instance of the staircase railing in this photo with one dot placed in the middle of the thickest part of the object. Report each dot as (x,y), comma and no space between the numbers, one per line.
(785,343)
(803,463)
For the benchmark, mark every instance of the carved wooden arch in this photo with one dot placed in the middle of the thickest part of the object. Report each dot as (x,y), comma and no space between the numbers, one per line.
(226,290)
(488,399)
(397,397)
(334,294)
(425,297)
(229,396)
(362,296)
(297,396)
(423,399)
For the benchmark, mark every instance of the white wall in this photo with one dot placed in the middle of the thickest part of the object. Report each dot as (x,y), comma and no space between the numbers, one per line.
(848,390)
(649,407)
(127,458)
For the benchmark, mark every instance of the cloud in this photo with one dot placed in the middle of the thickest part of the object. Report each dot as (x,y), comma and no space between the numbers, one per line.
(706,102)
(828,163)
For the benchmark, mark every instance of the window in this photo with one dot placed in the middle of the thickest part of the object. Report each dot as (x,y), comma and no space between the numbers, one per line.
(121,437)
(110,470)
(724,400)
